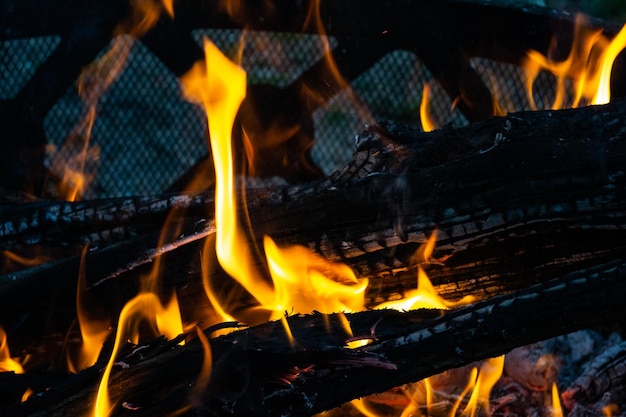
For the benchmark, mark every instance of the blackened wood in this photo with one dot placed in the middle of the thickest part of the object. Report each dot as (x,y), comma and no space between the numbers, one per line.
(257,372)
(514,200)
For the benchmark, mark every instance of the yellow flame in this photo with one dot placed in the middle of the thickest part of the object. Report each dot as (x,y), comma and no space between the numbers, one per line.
(144,307)
(425,118)
(304,281)
(424,296)
(7,363)
(27,394)
(588,66)
(557,410)
(469,387)
(490,372)
(220,86)
(363,408)
(93,332)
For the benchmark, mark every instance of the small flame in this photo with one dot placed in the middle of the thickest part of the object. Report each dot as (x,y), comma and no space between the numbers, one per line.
(610,410)
(557,409)
(145,307)
(490,372)
(588,65)
(424,296)
(425,118)
(7,363)
(305,281)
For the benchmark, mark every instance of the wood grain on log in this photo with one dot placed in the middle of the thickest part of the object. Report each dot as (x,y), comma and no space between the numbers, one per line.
(517,201)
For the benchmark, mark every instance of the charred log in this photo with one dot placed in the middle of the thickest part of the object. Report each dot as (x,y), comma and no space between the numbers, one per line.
(514,200)
(259,372)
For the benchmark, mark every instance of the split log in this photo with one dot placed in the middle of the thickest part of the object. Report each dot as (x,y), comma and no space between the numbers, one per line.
(258,372)
(514,200)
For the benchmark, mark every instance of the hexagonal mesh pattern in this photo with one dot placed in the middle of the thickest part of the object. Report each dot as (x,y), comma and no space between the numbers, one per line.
(139,135)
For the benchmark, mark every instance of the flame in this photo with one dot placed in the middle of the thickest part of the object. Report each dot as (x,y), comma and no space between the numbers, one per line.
(93,332)
(305,281)
(588,65)
(362,407)
(425,118)
(557,410)
(145,307)
(76,161)
(7,363)
(610,410)
(424,296)
(302,280)
(489,373)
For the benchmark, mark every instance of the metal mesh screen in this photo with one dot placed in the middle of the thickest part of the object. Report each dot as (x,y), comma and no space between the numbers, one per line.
(19,59)
(142,135)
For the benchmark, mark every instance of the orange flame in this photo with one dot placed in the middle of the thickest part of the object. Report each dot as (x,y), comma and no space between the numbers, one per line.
(557,409)
(93,332)
(144,307)
(425,118)
(490,372)
(424,296)
(7,363)
(588,65)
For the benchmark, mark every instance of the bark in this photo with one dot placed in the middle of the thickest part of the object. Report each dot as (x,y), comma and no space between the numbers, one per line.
(516,201)
(513,200)
(257,372)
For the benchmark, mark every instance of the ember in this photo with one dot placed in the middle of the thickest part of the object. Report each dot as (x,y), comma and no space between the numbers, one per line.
(444,270)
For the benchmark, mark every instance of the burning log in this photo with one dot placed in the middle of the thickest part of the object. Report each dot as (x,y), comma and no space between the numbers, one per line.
(260,372)
(538,192)
(519,200)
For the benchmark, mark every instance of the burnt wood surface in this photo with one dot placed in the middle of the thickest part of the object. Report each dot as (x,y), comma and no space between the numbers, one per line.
(517,201)
(257,372)
(513,200)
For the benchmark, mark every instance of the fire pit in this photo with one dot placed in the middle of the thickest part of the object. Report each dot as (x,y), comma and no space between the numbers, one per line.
(286,266)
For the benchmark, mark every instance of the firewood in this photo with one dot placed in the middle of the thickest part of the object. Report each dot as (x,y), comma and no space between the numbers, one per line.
(258,372)
(513,200)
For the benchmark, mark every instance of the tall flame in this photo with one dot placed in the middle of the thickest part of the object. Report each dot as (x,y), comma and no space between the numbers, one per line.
(93,332)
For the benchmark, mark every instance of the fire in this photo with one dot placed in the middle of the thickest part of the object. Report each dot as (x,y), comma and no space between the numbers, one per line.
(7,363)
(425,118)
(93,332)
(489,373)
(588,66)
(145,307)
(557,410)
(301,280)
(424,296)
